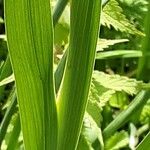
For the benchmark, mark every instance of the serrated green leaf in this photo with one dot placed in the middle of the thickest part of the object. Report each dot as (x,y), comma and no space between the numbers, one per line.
(91,132)
(94,109)
(105,43)
(118,83)
(112,15)
(145,114)
(99,93)
(98,98)
(117,141)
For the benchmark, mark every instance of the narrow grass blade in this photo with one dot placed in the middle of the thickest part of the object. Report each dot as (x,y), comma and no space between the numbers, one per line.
(7,80)
(5,72)
(124,116)
(59,71)
(118,54)
(15,134)
(60,6)
(145,143)
(30,42)
(73,94)
(9,113)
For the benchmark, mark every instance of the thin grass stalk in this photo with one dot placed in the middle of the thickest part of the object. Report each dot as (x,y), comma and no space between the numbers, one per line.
(6,120)
(13,140)
(30,43)
(6,71)
(138,102)
(59,8)
(144,63)
(59,72)
(144,70)
(73,94)
(144,145)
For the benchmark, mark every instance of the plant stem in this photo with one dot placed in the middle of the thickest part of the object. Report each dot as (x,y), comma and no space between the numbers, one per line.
(6,120)
(73,93)
(60,6)
(144,65)
(59,71)
(13,140)
(125,115)
(143,129)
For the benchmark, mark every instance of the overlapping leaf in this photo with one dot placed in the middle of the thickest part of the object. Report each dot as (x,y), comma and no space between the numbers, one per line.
(112,15)
(118,83)
(117,141)
(90,132)
(105,43)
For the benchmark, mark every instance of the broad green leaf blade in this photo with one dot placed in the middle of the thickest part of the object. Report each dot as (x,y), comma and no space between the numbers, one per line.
(30,42)
(6,69)
(73,94)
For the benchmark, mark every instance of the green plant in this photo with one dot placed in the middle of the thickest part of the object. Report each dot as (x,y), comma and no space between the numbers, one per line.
(81,108)
(32,61)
